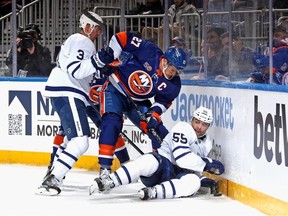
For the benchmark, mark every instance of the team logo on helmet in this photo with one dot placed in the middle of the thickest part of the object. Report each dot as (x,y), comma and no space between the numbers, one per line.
(140,83)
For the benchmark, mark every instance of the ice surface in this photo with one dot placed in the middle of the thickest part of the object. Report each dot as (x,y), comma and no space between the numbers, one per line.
(19,183)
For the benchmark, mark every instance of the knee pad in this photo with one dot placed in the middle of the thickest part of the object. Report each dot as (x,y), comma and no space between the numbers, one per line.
(77,146)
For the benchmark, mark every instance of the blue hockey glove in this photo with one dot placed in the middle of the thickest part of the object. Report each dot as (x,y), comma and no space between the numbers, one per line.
(154,121)
(213,166)
(102,58)
(162,132)
(107,70)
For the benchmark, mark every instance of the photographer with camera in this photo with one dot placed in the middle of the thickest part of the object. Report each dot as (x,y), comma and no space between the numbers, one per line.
(33,59)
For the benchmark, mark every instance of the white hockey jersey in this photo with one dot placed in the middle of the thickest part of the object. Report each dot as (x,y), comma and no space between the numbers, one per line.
(74,72)
(182,147)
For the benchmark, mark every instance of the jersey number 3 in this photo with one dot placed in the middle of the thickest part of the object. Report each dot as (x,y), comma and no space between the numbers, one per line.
(80,55)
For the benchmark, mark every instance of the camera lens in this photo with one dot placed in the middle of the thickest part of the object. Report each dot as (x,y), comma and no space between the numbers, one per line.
(26,43)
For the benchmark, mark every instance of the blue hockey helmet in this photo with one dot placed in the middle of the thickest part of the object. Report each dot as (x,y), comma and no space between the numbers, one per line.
(176,56)
(260,60)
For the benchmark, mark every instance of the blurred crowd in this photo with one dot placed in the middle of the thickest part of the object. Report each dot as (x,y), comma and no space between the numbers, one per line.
(224,54)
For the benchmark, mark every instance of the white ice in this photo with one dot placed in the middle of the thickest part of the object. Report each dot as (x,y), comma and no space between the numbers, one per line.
(18,184)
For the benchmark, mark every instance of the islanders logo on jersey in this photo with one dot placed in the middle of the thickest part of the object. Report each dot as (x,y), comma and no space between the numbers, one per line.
(140,82)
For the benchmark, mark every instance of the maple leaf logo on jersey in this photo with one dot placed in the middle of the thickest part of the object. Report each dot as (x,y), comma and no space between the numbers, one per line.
(140,83)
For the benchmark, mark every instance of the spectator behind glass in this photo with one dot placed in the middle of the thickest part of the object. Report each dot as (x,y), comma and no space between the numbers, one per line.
(33,59)
(174,12)
(217,66)
(281,30)
(242,56)
(151,7)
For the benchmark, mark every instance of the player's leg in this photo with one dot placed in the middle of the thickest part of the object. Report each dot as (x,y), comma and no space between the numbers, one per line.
(186,185)
(113,103)
(120,149)
(110,128)
(58,140)
(145,165)
(76,127)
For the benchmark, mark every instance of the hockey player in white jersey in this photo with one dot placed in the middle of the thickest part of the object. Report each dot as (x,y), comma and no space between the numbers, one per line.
(174,170)
(78,68)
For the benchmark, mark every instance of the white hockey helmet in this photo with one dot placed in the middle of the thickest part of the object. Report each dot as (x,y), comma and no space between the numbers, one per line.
(89,17)
(203,114)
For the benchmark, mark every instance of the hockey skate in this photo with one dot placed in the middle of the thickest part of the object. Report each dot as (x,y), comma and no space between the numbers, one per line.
(147,193)
(49,187)
(104,172)
(103,184)
(49,171)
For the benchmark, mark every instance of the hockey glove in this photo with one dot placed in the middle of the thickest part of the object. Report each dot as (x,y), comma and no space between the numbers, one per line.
(102,58)
(213,166)
(153,123)
(107,70)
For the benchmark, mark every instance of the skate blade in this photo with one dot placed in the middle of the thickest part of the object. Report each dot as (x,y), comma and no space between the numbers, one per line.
(93,188)
(47,191)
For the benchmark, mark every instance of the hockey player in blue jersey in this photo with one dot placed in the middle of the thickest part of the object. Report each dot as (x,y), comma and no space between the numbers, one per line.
(148,74)
(280,65)
(175,169)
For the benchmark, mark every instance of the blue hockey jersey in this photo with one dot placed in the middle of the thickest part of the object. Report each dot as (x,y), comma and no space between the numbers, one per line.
(140,74)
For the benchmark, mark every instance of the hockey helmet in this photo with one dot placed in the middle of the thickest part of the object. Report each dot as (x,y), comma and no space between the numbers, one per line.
(280,61)
(260,60)
(203,114)
(89,17)
(176,56)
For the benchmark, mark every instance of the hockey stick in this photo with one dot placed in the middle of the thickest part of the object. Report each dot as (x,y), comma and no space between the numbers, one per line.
(122,133)
(104,37)
(142,116)
(131,143)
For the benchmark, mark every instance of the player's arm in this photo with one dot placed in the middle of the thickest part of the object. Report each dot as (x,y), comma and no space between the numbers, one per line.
(83,62)
(142,50)
(162,101)
(182,137)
